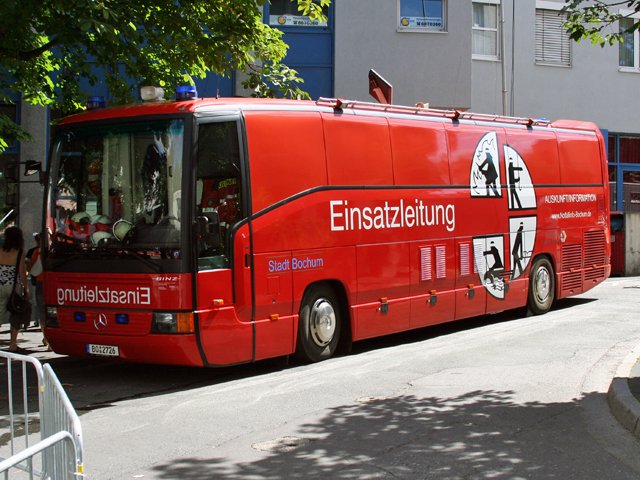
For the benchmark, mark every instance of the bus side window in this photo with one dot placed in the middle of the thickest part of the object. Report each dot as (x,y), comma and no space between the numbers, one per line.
(218,201)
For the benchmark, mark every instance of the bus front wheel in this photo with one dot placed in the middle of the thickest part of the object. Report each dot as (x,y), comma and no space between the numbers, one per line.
(319,324)
(541,286)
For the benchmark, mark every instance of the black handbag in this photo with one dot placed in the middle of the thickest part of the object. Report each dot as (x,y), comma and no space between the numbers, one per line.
(17,303)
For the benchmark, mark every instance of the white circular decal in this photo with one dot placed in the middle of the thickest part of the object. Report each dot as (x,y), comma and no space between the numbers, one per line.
(493,262)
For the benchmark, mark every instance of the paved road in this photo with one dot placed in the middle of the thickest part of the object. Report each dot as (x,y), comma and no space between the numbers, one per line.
(503,396)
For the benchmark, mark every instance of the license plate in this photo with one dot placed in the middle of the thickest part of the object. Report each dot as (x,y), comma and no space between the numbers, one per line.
(104,350)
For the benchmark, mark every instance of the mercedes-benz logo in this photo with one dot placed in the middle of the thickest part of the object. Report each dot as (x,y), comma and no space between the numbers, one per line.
(100,322)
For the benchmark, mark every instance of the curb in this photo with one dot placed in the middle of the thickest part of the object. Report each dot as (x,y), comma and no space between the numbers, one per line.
(624,406)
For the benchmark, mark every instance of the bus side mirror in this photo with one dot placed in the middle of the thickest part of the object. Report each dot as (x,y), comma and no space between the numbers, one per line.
(33,167)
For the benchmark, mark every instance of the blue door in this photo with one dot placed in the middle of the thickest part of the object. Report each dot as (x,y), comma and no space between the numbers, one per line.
(310,45)
(216,86)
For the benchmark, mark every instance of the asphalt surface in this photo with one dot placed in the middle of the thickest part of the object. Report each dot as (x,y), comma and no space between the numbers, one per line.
(623,394)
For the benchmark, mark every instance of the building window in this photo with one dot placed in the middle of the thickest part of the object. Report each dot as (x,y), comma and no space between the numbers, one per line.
(422,15)
(631,191)
(612,148)
(284,13)
(629,46)
(629,149)
(485,30)
(624,163)
(613,191)
(553,46)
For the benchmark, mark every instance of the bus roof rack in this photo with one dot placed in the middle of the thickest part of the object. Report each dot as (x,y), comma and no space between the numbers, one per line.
(340,103)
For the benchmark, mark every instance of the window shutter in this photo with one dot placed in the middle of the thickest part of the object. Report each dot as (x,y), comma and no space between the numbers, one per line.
(552,41)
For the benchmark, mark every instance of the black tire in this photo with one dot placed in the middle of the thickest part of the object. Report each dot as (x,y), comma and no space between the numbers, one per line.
(542,286)
(319,325)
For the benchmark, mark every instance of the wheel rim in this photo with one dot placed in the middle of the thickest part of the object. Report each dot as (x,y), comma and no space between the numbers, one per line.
(322,322)
(542,284)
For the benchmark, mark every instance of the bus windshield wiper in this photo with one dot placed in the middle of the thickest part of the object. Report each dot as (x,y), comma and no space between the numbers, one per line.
(128,252)
(103,253)
(157,267)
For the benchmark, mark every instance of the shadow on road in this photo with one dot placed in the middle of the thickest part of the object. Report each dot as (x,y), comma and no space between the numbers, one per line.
(481,434)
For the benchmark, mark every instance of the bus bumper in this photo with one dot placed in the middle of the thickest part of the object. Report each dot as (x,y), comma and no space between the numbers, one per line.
(167,349)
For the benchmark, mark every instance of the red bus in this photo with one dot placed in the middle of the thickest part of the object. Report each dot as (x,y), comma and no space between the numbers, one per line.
(221,231)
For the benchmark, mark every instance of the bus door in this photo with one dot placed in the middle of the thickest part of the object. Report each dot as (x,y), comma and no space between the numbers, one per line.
(221,241)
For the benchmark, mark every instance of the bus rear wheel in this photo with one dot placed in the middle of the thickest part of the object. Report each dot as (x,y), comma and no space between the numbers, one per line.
(541,286)
(319,324)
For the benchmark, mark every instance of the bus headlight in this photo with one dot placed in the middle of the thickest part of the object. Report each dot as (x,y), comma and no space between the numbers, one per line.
(172,322)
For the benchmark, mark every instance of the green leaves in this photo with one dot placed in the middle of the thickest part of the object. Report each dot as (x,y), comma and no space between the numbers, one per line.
(50,49)
(273,79)
(313,9)
(10,132)
(598,21)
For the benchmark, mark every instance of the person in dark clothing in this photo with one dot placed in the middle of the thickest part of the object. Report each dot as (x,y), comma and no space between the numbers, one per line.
(34,269)
(494,271)
(12,258)
(488,170)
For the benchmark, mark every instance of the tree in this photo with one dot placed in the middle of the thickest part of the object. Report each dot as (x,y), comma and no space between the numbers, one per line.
(50,48)
(594,20)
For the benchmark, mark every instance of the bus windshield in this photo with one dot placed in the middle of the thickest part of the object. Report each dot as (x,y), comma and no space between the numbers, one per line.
(117,187)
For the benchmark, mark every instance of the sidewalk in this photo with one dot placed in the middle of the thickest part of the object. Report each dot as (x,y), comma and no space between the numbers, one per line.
(624,393)
(30,340)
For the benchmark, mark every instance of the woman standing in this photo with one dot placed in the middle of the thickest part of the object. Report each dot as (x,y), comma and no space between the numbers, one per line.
(12,257)
(33,263)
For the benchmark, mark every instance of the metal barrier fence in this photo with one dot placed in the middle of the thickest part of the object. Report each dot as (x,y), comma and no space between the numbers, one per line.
(58,455)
